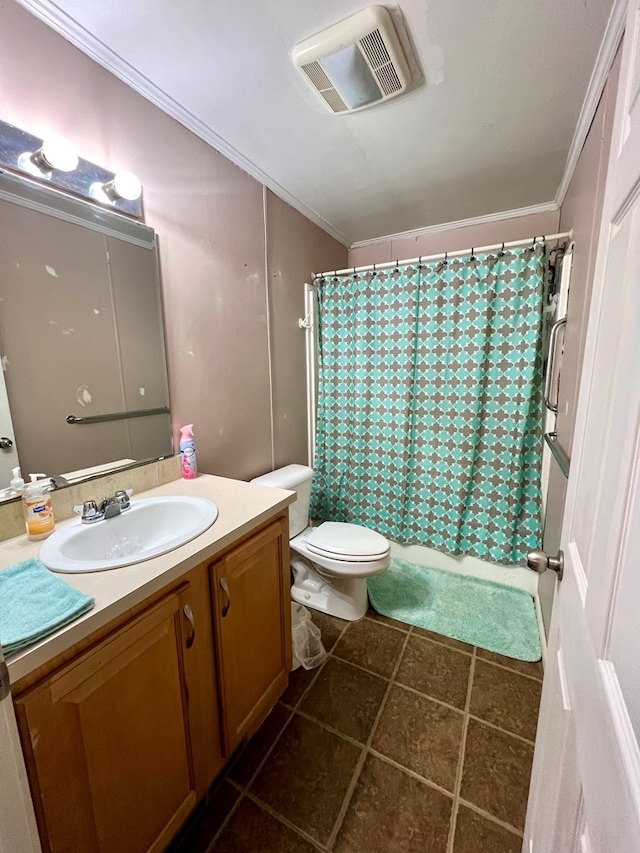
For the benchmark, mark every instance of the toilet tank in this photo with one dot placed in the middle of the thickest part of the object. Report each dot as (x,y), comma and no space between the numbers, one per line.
(296,478)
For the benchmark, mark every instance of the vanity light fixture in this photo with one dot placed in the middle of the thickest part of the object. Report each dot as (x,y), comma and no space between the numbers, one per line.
(53,160)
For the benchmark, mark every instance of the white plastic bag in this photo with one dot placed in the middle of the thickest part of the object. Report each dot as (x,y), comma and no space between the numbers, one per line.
(308,650)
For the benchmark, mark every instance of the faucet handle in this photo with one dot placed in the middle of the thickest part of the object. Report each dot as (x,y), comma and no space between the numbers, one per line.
(122,497)
(88,511)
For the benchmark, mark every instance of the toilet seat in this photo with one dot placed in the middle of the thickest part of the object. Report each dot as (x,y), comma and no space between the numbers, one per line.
(337,564)
(348,542)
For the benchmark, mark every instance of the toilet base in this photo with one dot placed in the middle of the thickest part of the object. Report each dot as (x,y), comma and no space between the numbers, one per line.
(345,598)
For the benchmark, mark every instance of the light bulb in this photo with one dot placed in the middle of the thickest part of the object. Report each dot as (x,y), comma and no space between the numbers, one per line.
(124,185)
(58,154)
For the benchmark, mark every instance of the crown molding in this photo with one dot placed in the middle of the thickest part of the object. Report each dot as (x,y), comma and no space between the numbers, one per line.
(95,49)
(608,46)
(547,207)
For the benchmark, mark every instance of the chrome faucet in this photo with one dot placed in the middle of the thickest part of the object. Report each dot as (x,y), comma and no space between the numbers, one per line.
(91,511)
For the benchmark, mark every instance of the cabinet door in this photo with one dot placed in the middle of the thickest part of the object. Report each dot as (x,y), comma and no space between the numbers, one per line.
(108,742)
(252,617)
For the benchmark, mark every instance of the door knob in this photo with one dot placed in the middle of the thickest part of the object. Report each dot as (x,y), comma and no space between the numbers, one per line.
(540,562)
(5,442)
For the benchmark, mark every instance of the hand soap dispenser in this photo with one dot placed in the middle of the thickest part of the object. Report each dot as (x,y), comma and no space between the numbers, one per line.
(17,483)
(38,509)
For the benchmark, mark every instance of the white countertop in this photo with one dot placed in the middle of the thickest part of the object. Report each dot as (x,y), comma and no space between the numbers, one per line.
(242,507)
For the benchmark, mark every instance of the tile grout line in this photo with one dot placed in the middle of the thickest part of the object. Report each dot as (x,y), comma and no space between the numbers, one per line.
(510,669)
(284,821)
(430,697)
(380,755)
(360,667)
(463,746)
(414,633)
(501,729)
(244,791)
(365,751)
(407,770)
(425,695)
(387,625)
(412,629)
(488,816)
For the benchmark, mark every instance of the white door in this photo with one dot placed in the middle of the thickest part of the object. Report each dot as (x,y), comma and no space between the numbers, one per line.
(585,790)
(8,454)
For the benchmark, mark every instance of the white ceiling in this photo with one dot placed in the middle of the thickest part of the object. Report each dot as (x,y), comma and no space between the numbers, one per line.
(487,127)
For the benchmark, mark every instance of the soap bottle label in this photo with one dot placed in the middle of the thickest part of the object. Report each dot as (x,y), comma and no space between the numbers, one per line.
(39,519)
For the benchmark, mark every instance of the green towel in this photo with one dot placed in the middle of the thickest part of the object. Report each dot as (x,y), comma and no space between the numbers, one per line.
(34,603)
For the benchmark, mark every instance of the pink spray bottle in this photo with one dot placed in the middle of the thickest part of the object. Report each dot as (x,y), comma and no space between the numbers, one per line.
(188,453)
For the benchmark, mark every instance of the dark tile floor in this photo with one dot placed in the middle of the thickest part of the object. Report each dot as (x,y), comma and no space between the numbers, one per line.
(404,741)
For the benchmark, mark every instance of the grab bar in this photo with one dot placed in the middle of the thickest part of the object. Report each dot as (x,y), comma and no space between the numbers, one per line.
(118,416)
(553,343)
(559,454)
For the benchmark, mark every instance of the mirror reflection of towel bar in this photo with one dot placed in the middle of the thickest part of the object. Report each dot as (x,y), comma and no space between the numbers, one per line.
(117,416)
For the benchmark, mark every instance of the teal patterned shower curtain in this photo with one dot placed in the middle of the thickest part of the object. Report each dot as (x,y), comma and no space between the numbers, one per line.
(429,396)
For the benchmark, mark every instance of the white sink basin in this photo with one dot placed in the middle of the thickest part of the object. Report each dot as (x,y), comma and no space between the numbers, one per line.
(150,527)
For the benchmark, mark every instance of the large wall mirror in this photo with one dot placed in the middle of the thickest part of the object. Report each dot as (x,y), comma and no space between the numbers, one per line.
(84,379)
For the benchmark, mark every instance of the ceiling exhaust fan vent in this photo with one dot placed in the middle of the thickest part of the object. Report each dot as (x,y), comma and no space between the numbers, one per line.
(356,63)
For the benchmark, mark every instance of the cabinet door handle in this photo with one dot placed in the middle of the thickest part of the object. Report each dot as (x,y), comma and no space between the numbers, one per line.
(225,588)
(188,612)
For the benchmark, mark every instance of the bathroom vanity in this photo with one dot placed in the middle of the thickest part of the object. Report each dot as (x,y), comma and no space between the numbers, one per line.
(128,714)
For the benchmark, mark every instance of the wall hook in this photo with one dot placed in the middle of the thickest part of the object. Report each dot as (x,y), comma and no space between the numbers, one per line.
(306,322)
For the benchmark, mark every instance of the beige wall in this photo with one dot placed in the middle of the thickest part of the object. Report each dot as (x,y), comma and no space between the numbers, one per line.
(581,213)
(455,239)
(215,262)
(295,249)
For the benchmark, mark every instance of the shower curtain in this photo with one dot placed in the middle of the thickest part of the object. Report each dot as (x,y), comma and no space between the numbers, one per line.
(429,422)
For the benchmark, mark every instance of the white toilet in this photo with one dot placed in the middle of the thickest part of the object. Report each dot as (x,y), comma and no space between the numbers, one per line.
(330,562)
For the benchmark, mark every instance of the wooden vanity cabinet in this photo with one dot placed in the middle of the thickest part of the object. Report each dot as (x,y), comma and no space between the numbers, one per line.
(252,623)
(110,748)
(124,733)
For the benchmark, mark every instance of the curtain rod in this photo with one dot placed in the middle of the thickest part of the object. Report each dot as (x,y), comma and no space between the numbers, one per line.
(483,249)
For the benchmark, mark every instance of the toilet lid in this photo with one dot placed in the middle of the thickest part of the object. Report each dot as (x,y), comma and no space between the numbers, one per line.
(344,541)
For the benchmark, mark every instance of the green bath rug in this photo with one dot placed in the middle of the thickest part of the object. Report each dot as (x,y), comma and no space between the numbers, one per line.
(479,612)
